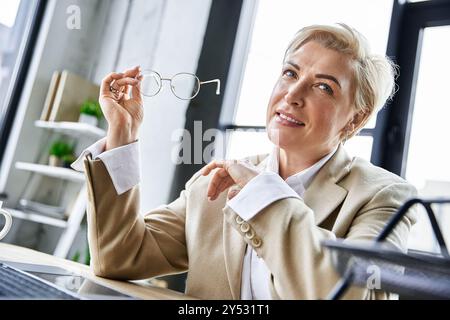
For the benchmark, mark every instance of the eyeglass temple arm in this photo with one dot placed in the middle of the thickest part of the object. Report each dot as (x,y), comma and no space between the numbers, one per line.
(211,81)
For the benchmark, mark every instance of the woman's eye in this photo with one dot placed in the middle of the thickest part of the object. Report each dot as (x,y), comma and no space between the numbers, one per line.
(326,88)
(289,73)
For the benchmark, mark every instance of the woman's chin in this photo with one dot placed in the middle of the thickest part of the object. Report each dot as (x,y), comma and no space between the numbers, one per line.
(282,141)
(281,137)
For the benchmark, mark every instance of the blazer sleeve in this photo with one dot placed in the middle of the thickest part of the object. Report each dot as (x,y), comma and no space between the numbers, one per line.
(126,245)
(288,240)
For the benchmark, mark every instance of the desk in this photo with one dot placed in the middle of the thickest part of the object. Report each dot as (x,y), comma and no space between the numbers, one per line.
(136,288)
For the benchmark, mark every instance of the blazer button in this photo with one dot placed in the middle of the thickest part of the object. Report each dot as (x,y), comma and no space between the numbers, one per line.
(245,227)
(250,234)
(256,242)
(239,220)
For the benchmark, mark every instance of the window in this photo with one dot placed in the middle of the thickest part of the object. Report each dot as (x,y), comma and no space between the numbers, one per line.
(275,23)
(428,155)
(18,25)
(8,45)
(413,140)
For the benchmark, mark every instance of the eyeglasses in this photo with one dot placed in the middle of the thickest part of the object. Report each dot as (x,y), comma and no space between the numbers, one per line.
(184,86)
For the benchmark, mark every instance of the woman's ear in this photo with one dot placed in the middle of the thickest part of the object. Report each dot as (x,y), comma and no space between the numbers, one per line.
(355,123)
(360,120)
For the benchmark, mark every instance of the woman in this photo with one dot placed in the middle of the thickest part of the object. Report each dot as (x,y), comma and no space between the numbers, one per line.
(253,229)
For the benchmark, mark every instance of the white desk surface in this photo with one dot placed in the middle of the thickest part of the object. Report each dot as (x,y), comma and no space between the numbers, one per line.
(137,289)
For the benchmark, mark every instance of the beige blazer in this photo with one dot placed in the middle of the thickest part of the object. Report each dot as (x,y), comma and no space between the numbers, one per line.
(348,198)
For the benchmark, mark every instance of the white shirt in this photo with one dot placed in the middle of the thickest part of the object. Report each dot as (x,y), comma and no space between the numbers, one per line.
(122,165)
(260,192)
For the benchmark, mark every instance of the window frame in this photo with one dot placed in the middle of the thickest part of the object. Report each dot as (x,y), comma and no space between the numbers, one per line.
(393,130)
(239,61)
(215,62)
(20,73)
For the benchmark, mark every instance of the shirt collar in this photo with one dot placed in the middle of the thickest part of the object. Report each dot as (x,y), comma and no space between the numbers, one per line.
(301,180)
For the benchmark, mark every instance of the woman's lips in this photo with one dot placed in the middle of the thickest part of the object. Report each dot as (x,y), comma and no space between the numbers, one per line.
(287,121)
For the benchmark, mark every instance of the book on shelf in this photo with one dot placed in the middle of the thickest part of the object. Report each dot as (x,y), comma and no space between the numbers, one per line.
(50,98)
(66,94)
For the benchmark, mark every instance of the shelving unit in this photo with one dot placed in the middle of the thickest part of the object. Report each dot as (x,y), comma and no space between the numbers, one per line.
(39,218)
(71,224)
(49,171)
(74,129)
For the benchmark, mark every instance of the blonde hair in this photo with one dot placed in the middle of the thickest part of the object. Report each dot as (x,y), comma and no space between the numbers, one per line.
(374,74)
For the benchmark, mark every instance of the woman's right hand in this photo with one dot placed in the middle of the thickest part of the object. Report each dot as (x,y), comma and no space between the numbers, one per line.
(123,112)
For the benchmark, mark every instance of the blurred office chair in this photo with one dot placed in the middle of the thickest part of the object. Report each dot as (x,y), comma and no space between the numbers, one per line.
(412,275)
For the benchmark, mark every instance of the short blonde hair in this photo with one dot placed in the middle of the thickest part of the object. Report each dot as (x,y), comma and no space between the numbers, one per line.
(374,74)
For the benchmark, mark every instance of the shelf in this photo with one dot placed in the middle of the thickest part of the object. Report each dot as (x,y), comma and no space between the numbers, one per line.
(74,129)
(55,172)
(39,218)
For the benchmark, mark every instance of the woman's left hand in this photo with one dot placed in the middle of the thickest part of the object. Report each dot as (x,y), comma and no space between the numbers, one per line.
(231,172)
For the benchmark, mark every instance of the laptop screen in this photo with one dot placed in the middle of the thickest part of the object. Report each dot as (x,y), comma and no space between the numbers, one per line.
(67,280)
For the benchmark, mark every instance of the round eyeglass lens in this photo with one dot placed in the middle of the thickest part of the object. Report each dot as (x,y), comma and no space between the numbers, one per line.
(150,84)
(185,85)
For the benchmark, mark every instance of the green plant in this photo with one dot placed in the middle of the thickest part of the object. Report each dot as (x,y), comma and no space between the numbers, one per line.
(87,258)
(76,256)
(68,158)
(91,108)
(60,149)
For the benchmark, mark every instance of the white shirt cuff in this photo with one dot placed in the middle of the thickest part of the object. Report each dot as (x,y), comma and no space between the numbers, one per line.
(122,163)
(94,150)
(258,193)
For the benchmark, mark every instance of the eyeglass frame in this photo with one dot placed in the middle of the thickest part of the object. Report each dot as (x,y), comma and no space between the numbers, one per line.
(217,81)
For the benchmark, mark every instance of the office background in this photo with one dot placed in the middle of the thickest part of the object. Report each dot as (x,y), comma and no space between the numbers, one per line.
(242,43)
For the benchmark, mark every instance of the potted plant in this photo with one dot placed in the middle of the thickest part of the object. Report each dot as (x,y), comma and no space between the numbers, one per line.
(59,150)
(67,160)
(90,112)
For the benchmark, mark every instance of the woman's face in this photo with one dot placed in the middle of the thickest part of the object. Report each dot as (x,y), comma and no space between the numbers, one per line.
(312,101)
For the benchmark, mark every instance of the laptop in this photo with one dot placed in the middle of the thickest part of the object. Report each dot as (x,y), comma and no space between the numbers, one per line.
(24,281)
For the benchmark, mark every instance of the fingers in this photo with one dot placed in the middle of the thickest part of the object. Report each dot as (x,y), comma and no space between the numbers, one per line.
(133,73)
(107,82)
(117,80)
(214,184)
(233,192)
(136,90)
(224,185)
(125,82)
(220,181)
(213,165)
(227,174)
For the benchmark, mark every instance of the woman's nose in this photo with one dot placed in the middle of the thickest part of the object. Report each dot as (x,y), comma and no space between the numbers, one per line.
(295,94)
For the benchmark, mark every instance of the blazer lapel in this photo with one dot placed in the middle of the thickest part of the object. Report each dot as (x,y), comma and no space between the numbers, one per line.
(324,194)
